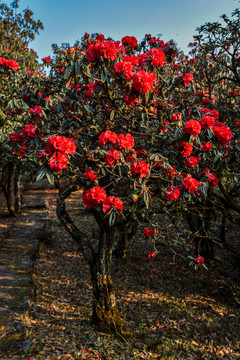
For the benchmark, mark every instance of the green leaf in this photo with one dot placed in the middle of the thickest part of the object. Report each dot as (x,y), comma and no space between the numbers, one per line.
(41,174)
(50,177)
(112,218)
(112,115)
(68,72)
(146,200)
(78,68)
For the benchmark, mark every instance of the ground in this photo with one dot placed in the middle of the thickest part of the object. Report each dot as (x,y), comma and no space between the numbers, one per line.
(170,310)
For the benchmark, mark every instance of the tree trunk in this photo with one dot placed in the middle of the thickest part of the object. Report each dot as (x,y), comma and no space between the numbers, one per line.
(12,189)
(105,316)
(124,239)
(199,226)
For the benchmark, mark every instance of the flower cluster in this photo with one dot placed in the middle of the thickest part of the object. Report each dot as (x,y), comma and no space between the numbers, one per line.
(212,179)
(120,141)
(29,132)
(192,127)
(199,260)
(141,168)
(172,193)
(222,133)
(143,81)
(10,64)
(104,49)
(149,233)
(97,195)
(185,149)
(130,41)
(125,68)
(187,79)
(57,149)
(155,56)
(190,184)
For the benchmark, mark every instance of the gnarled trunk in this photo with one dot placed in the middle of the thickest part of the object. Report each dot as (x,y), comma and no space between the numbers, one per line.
(124,239)
(11,188)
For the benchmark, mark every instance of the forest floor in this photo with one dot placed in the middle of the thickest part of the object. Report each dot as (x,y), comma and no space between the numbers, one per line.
(171,310)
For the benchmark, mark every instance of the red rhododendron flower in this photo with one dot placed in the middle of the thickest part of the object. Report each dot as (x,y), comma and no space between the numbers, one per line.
(112,202)
(207,122)
(12,64)
(149,233)
(107,136)
(130,41)
(176,117)
(60,143)
(30,131)
(190,184)
(124,68)
(94,196)
(14,137)
(187,79)
(90,175)
(213,113)
(112,156)
(185,149)
(213,180)
(222,133)
(192,127)
(46,59)
(36,110)
(132,59)
(58,162)
(172,193)
(156,56)
(206,147)
(191,162)
(106,49)
(125,142)
(199,260)
(151,254)
(141,168)
(143,81)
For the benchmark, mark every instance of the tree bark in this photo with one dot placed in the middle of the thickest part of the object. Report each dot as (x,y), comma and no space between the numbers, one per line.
(11,188)
(125,236)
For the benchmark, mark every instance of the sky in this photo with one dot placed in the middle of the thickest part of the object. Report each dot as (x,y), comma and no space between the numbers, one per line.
(68,20)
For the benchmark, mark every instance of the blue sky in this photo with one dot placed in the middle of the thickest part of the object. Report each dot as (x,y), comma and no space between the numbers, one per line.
(67,21)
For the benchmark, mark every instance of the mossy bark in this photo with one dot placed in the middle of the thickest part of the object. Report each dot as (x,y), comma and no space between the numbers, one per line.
(124,240)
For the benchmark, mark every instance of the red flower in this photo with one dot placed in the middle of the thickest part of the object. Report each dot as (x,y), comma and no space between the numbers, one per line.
(172,194)
(124,68)
(130,41)
(190,184)
(222,133)
(107,136)
(14,137)
(46,59)
(191,162)
(213,180)
(151,254)
(199,260)
(58,162)
(12,64)
(141,168)
(187,79)
(36,110)
(185,149)
(60,143)
(156,56)
(192,127)
(149,233)
(207,122)
(104,49)
(213,113)
(125,142)
(143,81)
(206,147)
(132,59)
(94,196)
(20,152)
(176,117)
(111,157)
(30,131)
(112,202)
(90,175)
